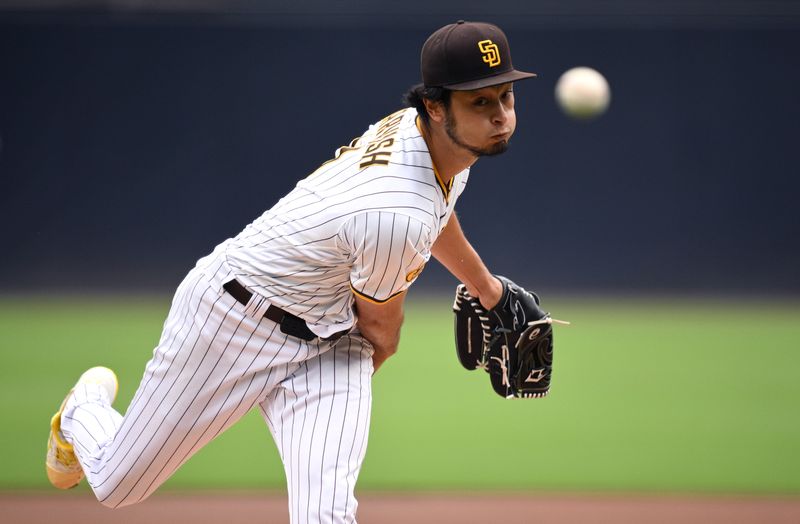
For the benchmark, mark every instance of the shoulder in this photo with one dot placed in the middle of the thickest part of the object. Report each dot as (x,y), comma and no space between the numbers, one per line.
(396,222)
(397,153)
(386,230)
(395,169)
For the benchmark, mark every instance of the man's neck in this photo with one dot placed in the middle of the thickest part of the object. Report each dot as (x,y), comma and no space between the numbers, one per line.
(449,158)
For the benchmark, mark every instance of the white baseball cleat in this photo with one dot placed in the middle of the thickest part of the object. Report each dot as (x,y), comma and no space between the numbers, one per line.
(63,468)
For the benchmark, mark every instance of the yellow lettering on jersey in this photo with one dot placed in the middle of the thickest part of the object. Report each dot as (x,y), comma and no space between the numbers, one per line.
(380,148)
(415,273)
(353,145)
(373,146)
(375,159)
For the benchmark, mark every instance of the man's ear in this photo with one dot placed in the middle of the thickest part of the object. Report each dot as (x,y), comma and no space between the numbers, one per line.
(435,110)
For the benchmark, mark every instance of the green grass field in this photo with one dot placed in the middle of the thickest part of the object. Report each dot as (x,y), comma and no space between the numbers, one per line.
(655,395)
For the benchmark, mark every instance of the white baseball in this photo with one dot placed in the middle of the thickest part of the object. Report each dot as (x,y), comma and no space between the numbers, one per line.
(583,93)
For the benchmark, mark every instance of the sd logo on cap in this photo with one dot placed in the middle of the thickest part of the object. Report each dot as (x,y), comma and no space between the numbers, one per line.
(468,55)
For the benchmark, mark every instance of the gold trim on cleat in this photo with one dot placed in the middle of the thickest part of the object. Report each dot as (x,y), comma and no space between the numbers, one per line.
(55,429)
(63,469)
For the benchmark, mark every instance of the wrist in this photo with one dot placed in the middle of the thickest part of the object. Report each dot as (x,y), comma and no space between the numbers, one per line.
(489,291)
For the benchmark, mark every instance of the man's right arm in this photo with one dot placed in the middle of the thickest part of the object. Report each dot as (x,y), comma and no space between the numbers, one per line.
(380,324)
(387,250)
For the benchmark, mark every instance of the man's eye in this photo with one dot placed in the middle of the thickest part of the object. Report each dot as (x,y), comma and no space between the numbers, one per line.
(480,102)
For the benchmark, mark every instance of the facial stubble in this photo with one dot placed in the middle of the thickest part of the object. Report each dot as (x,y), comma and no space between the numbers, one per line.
(493,150)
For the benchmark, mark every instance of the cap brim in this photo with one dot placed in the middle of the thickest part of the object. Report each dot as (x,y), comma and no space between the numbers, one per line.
(502,78)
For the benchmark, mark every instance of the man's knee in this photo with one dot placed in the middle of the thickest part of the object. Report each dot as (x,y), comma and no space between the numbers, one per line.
(114,499)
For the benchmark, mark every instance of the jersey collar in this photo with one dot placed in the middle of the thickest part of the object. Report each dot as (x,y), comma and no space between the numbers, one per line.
(445,187)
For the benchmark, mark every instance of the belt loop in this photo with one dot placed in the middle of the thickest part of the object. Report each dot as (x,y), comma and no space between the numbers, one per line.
(256,306)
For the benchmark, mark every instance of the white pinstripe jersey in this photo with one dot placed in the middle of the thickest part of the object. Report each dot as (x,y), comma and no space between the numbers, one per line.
(364,221)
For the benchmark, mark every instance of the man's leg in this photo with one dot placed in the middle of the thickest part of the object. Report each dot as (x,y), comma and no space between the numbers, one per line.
(212,365)
(96,389)
(319,418)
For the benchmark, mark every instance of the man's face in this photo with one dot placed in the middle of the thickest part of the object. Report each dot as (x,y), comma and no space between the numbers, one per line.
(482,121)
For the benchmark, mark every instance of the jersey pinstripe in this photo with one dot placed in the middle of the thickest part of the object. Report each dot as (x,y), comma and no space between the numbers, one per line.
(214,363)
(363,223)
(365,220)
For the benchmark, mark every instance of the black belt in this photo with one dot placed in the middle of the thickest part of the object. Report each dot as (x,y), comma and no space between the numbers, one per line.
(290,324)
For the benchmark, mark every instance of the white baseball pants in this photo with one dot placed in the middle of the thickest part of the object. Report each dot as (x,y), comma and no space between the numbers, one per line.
(216,360)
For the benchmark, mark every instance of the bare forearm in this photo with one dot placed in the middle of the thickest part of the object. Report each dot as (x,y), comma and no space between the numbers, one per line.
(459,257)
(380,356)
(384,340)
(380,324)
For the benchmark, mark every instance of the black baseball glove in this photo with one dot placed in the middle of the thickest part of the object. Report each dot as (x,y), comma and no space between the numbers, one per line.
(513,341)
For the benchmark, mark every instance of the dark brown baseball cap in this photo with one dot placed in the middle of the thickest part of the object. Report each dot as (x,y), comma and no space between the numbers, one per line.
(468,55)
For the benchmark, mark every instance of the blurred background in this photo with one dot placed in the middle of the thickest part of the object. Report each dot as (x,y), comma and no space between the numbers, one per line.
(138,134)
(135,135)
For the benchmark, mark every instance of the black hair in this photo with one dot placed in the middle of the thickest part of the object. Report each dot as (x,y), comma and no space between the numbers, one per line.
(416,95)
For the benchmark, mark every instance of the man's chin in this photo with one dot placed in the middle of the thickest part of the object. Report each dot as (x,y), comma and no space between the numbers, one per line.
(497,149)
(494,149)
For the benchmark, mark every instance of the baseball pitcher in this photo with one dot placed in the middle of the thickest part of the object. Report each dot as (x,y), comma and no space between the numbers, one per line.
(296,313)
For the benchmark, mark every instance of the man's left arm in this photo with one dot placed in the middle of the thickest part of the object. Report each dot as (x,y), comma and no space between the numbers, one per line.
(453,251)
(513,341)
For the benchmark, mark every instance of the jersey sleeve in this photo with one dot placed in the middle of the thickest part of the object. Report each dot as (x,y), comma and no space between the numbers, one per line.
(388,251)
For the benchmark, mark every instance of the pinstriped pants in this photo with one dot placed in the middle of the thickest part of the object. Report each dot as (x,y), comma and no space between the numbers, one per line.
(215,361)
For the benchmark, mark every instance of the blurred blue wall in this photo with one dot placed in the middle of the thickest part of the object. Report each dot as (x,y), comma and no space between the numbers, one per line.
(131,146)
